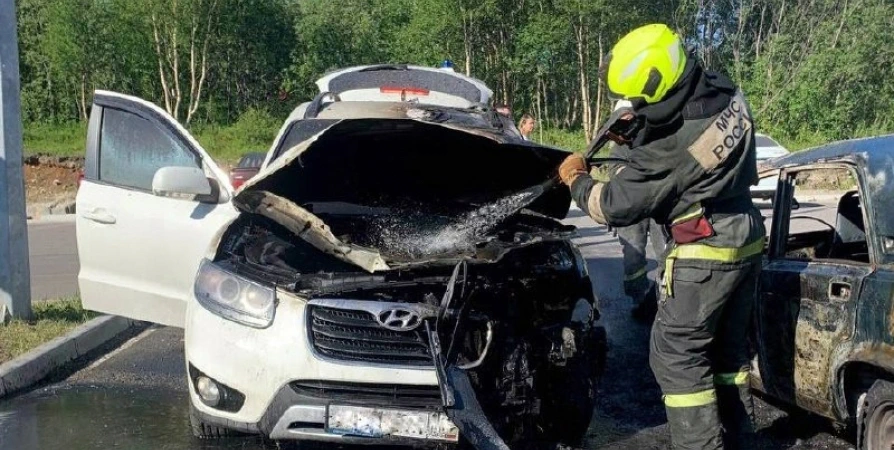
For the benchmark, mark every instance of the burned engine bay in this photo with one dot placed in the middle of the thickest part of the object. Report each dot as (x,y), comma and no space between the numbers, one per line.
(378,212)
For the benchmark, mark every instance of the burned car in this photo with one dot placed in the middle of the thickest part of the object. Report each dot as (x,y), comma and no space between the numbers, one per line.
(389,276)
(824,317)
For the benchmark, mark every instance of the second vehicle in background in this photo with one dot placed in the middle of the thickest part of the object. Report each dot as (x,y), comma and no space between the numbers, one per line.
(247,167)
(766,149)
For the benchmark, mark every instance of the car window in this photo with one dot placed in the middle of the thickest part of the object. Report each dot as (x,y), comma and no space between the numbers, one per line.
(826,217)
(300,131)
(132,149)
(251,160)
(764,141)
(762,195)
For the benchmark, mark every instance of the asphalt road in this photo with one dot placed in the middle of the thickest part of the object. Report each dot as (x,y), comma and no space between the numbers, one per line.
(136,398)
(54,258)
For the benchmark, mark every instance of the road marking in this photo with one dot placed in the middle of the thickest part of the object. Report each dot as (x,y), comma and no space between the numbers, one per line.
(123,347)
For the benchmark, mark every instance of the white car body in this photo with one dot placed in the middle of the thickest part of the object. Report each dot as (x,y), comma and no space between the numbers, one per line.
(149,227)
(139,255)
(766,148)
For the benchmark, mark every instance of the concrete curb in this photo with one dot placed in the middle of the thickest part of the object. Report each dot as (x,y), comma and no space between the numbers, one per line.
(60,206)
(59,218)
(34,366)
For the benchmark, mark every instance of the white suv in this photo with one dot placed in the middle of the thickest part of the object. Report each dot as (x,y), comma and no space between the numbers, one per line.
(385,258)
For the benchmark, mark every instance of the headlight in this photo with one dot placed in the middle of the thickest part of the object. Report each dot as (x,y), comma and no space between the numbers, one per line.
(233,297)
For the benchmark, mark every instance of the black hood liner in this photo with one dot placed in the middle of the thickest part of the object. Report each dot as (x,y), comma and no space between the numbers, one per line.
(399,162)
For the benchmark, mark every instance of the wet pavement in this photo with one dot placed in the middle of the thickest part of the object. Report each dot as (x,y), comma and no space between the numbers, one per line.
(136,398)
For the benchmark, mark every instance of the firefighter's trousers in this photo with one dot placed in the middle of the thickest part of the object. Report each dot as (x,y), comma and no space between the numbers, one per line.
(699,349)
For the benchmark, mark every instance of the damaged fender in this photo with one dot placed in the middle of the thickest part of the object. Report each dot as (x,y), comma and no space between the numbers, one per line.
(522,386)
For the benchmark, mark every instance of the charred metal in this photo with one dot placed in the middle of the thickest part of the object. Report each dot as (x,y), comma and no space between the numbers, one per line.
(826,312)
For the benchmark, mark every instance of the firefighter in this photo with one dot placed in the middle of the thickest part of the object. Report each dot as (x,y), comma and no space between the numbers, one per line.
(642,291)
(691,162)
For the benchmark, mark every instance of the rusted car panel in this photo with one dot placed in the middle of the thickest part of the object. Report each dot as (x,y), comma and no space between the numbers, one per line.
(800,328)
(825,328)
(873,343)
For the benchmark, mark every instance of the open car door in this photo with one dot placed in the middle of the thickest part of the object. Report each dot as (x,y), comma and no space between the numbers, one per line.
(150,205)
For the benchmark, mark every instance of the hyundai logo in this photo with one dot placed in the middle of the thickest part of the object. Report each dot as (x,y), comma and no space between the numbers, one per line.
(399,319)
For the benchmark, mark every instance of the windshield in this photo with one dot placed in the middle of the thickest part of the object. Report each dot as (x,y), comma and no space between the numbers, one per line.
(252,160)
(299,132)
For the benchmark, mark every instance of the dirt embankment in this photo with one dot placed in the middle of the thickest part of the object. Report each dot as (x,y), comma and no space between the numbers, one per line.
(51,179)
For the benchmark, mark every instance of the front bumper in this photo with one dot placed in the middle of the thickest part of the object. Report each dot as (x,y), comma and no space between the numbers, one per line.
(265,364)
(300,410)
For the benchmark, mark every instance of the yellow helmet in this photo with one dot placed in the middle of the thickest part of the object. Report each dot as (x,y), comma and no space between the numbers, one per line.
(645,63)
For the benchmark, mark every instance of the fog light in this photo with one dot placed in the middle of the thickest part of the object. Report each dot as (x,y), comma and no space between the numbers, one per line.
(215,394)
(208,390)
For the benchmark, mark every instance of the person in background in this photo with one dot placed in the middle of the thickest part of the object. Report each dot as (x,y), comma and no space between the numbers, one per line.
(526,126)
(634,238)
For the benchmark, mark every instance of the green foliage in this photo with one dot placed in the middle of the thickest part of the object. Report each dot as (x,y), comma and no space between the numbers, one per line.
(813,70)
(252,132)
(572,140)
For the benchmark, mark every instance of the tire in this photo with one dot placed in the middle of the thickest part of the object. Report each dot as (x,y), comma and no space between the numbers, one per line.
(569,413)
(204,430)
(572,394)
(875,417)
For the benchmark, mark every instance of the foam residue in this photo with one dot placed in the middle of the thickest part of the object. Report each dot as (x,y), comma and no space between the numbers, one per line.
(415,234)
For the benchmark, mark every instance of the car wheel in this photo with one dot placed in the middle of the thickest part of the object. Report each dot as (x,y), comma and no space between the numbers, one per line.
(572,389)
(875,418)
(204,430)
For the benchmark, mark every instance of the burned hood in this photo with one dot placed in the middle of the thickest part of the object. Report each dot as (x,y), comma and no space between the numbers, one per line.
(400,174)
(375,161)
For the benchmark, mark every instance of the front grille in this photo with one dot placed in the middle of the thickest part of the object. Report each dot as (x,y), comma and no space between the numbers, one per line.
(363,393)
(352,335)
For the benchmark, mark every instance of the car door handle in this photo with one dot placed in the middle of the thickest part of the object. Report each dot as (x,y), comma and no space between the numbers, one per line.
(99,216)
(839,290)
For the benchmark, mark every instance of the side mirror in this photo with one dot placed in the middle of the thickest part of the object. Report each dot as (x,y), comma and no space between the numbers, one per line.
(188,182)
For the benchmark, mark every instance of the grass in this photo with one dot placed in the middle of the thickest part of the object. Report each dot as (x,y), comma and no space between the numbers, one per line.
(565,139)
(254,131)
(66,139)
(51,320)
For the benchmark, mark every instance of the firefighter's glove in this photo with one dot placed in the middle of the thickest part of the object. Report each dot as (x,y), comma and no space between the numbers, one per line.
(574,166)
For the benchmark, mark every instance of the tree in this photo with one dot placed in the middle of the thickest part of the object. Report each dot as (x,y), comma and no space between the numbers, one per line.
(183,33)
(812,70)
